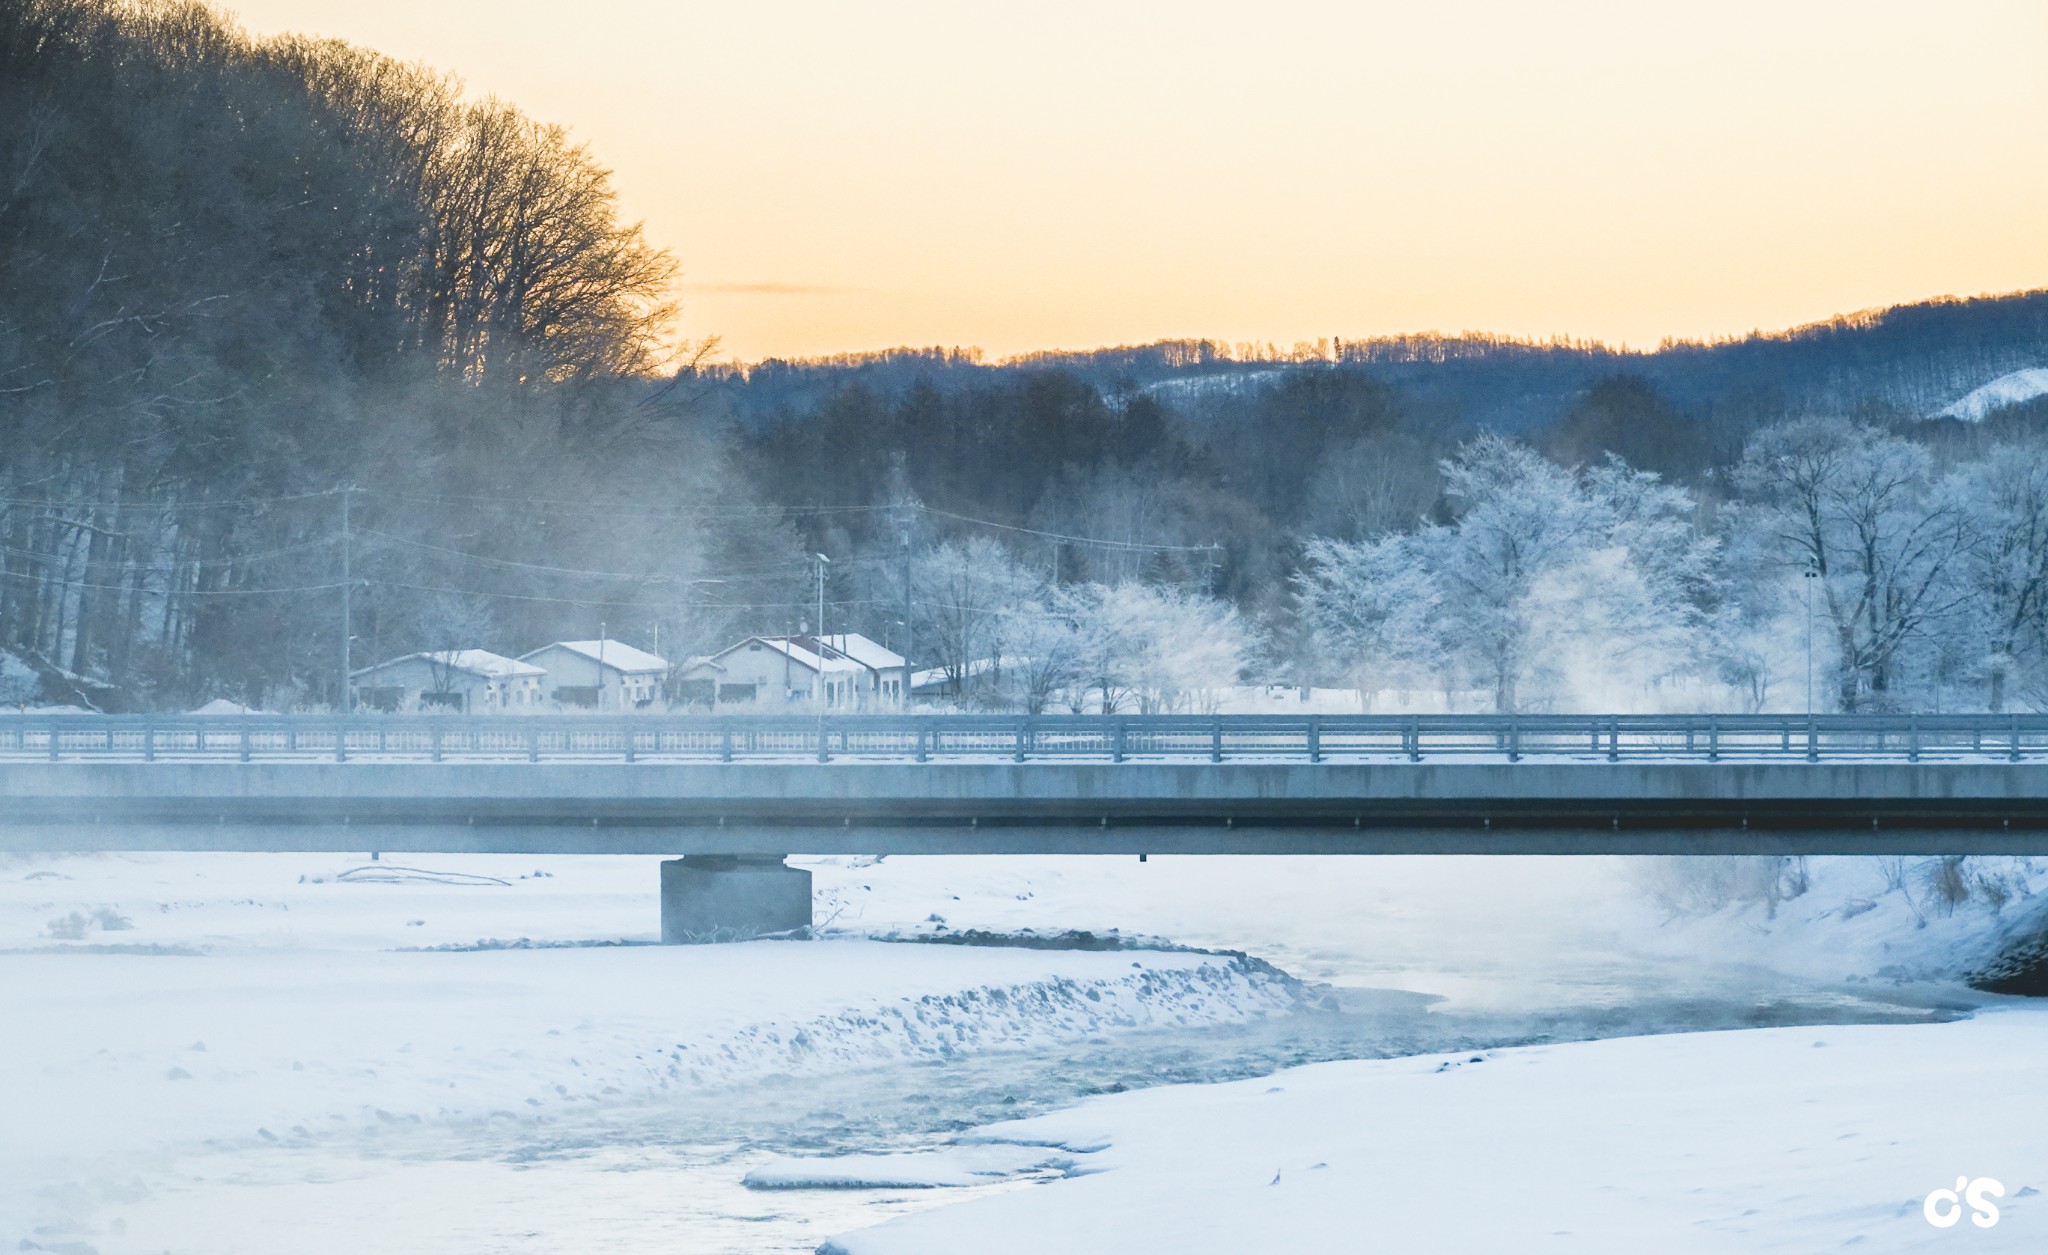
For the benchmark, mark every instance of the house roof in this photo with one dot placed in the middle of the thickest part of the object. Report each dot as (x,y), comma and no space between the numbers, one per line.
(614,655)
(478,662)
(932,677)
(861,649)
(798,650)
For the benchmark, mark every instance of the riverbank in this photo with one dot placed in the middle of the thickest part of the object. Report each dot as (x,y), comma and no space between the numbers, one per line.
(1791,1139)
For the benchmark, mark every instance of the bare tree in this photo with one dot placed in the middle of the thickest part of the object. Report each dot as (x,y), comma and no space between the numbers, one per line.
(1858,508)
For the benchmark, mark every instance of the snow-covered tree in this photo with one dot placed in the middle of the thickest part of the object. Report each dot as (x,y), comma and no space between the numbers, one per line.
(1373,611)
(1568,586)
(2004,573)
(966,592)
(1859,508)
(1160,648)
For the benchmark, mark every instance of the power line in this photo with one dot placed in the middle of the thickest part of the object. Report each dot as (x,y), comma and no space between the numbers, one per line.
(61,503)
(595,601)
(1098,542)
(650,577)
(560,506)
(173,568)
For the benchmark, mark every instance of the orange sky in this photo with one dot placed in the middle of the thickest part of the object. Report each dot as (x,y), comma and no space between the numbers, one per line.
(836,176)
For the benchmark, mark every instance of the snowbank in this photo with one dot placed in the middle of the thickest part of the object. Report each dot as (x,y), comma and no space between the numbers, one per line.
(1891,921)
(1779,1139)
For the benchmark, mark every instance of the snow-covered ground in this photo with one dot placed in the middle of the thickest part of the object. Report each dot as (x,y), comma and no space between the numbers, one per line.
(229,1052)
(160,1008)
(1794,1139)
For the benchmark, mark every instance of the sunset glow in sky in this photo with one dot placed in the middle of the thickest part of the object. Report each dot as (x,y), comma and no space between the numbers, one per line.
(840,176)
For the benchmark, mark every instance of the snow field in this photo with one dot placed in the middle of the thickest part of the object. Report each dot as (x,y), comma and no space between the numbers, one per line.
(1798,1140)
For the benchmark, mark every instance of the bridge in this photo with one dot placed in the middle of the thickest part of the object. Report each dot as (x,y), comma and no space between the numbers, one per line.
(733,796)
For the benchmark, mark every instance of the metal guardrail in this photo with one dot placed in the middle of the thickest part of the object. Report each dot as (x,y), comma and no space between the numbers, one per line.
(1020,738)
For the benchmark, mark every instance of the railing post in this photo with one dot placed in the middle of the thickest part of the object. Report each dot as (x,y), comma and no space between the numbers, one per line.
(149,742)
(1411,740)
(533,745)
(1017,754)
(824,742)
(435,739)
(1912,738)
(631,737)
(923,735)
(1514,741)
(1713,739)
(1116,750)
(1614,740)
(725,740)
(1812,740)
(245,740)
(53,740)
(340,740)
(1216,738)
(2013,754)
(1315,738)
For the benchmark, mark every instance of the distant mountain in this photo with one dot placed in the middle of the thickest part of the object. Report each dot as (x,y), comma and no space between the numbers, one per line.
(1909,361)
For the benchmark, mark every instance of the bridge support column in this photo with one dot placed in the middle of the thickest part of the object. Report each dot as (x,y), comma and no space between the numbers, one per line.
(732,897)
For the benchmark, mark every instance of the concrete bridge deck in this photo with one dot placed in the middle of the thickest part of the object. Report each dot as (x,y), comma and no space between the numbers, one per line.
(735,796)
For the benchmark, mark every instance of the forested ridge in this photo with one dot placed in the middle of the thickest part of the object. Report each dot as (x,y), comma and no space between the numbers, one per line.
(280,316)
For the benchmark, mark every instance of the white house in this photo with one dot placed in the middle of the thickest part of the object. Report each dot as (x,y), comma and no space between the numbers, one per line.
(601,674)
(473,681)
(841,672)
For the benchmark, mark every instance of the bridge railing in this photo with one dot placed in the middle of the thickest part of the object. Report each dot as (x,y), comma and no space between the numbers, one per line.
(1018,738)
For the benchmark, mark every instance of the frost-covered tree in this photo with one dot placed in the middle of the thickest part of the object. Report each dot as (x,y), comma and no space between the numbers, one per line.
(1574,582)
(1373,612)
(966,592)
(2004,572)
(1859,508)
(1041,658)
(1160,648)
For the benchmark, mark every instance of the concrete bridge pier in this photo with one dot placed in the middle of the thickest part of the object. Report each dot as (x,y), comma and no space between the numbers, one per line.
(732,897)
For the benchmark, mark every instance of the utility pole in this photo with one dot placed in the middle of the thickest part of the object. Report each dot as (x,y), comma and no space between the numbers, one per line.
(1812,576)
(907,672)
(906,507)
(346,703)
(818,630)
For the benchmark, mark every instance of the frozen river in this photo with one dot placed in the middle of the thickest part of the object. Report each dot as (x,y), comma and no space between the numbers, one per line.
(1403,957)
(667,1178)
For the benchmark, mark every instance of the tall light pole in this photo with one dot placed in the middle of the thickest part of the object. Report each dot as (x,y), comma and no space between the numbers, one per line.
(1812,576)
